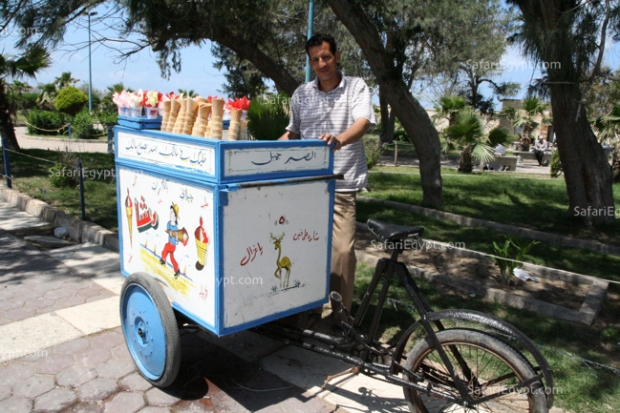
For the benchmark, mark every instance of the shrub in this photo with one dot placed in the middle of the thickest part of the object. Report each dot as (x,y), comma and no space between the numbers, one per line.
(64,174)
(70,100)
(372,150)
(44,123)
(268,118)
(401,136)
(82,125)
(107,118)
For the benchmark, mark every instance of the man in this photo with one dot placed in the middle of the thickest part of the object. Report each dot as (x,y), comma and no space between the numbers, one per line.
(337,109)
(539,149)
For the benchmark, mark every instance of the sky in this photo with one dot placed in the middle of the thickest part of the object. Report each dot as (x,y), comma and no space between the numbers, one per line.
(142,72)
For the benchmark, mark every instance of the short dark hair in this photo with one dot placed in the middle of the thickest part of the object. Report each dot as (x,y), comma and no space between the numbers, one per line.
(318,39)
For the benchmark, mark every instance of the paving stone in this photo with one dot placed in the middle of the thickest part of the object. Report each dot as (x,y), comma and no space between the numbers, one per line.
(110,338)
(16,405)
(14,373)
(34,386)
(24,293)
(196,406)
(58,294)
(19,314)
(226,404)
(5,391)
(125,402)
(75,376)
(121,352)
(115,369)
(154,409)
(94,357)
(156,397)
(89,292)
(54,364)
(55,400)
(41,302)
(97,389)
(72,347)
(69,302)
(10,304)
(85,408)
(135,382)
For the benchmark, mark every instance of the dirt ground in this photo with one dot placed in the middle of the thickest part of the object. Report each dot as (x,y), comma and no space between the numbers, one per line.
(482,273)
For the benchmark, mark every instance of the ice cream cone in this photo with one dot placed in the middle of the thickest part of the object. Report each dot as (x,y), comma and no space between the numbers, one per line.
(233,131)
(235,115)
(215,128)
(218,107)
(202,119)
(243,130)
(175,108)
(129,213)
(165,116)
(190,117)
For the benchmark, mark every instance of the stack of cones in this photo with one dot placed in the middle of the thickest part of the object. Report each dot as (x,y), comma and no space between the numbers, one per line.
(215,128)
(190,117)
(175,109)
(165,116)
(233,129)
(179,124)
(243,130)
(202,120)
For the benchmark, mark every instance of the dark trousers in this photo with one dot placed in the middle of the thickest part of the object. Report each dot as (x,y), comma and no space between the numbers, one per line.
(539,156)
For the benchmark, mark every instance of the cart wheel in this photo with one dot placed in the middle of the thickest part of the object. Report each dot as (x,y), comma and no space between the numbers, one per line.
(150,329)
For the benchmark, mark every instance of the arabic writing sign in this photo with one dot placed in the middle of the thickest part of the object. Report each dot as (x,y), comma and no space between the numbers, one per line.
(248,161)
(251,253)
(160,151)
(304,235)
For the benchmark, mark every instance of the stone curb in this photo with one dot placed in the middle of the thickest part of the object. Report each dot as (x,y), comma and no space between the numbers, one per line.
(590,307)
(552,239)
(79,231)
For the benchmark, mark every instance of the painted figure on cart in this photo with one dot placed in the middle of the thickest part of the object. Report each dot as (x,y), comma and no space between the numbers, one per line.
(281,263)
(174,236)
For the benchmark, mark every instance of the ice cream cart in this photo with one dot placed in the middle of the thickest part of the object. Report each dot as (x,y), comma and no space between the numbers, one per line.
(230,234)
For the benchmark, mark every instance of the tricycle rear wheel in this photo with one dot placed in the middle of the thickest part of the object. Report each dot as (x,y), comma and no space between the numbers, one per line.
(150,329)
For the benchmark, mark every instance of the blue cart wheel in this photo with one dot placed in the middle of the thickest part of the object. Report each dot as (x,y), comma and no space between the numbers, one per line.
(150,329)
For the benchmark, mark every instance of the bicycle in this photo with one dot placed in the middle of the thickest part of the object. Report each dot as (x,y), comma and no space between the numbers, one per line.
(449,368)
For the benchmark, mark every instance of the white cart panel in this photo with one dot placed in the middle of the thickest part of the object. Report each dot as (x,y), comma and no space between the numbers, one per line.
(277,243)
(181,256)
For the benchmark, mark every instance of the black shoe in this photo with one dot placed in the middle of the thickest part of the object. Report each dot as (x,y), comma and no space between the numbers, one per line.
(162,262)
(176,274)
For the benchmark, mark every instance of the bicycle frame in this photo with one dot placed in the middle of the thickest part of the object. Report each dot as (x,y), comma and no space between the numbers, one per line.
(367,346)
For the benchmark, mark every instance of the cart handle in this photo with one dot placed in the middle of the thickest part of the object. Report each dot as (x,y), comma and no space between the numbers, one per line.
(285,181)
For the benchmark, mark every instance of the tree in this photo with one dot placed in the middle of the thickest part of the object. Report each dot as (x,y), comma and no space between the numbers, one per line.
(532,107)
(65,80)
(70,100)
(608,127)
(467,134)
(604,93)
(15,94)
(568,38)
(26,65)
(188,93)
(449,108)
(389,73)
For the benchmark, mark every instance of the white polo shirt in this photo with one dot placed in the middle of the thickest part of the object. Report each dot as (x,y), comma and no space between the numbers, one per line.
(314,112)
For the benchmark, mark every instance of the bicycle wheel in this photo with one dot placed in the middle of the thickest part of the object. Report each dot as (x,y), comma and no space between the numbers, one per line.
(494,367)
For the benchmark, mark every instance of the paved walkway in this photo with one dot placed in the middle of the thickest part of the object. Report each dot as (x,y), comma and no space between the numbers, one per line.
(62,350)
(57,144)
(524,167)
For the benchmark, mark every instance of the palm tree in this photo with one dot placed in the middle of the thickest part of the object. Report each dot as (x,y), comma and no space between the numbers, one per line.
(608,127)
(65,80)
(27,65)
(449,108)
(467,134)
(16,96)
(187,93)
(532,106)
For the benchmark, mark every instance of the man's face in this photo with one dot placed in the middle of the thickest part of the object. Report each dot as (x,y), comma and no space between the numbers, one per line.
(323,62)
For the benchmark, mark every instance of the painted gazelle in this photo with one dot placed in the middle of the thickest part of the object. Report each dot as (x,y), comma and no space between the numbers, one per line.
(283,262)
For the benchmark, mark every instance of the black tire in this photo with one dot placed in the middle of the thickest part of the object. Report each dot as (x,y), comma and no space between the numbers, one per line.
(150,329)
(488,359)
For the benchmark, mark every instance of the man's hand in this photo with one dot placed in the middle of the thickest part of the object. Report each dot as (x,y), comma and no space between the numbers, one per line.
(331,140)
